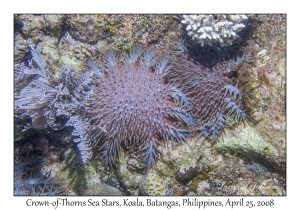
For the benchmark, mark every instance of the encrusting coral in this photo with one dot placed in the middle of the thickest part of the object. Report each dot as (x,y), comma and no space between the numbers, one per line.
(154,185)
(250,142)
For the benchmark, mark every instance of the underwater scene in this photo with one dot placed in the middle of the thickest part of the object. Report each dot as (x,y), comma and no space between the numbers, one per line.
(150,104)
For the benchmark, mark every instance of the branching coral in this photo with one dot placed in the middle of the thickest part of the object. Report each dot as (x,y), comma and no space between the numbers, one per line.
(208,29)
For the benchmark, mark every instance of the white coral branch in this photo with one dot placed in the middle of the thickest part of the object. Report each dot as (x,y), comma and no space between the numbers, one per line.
(207,30)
